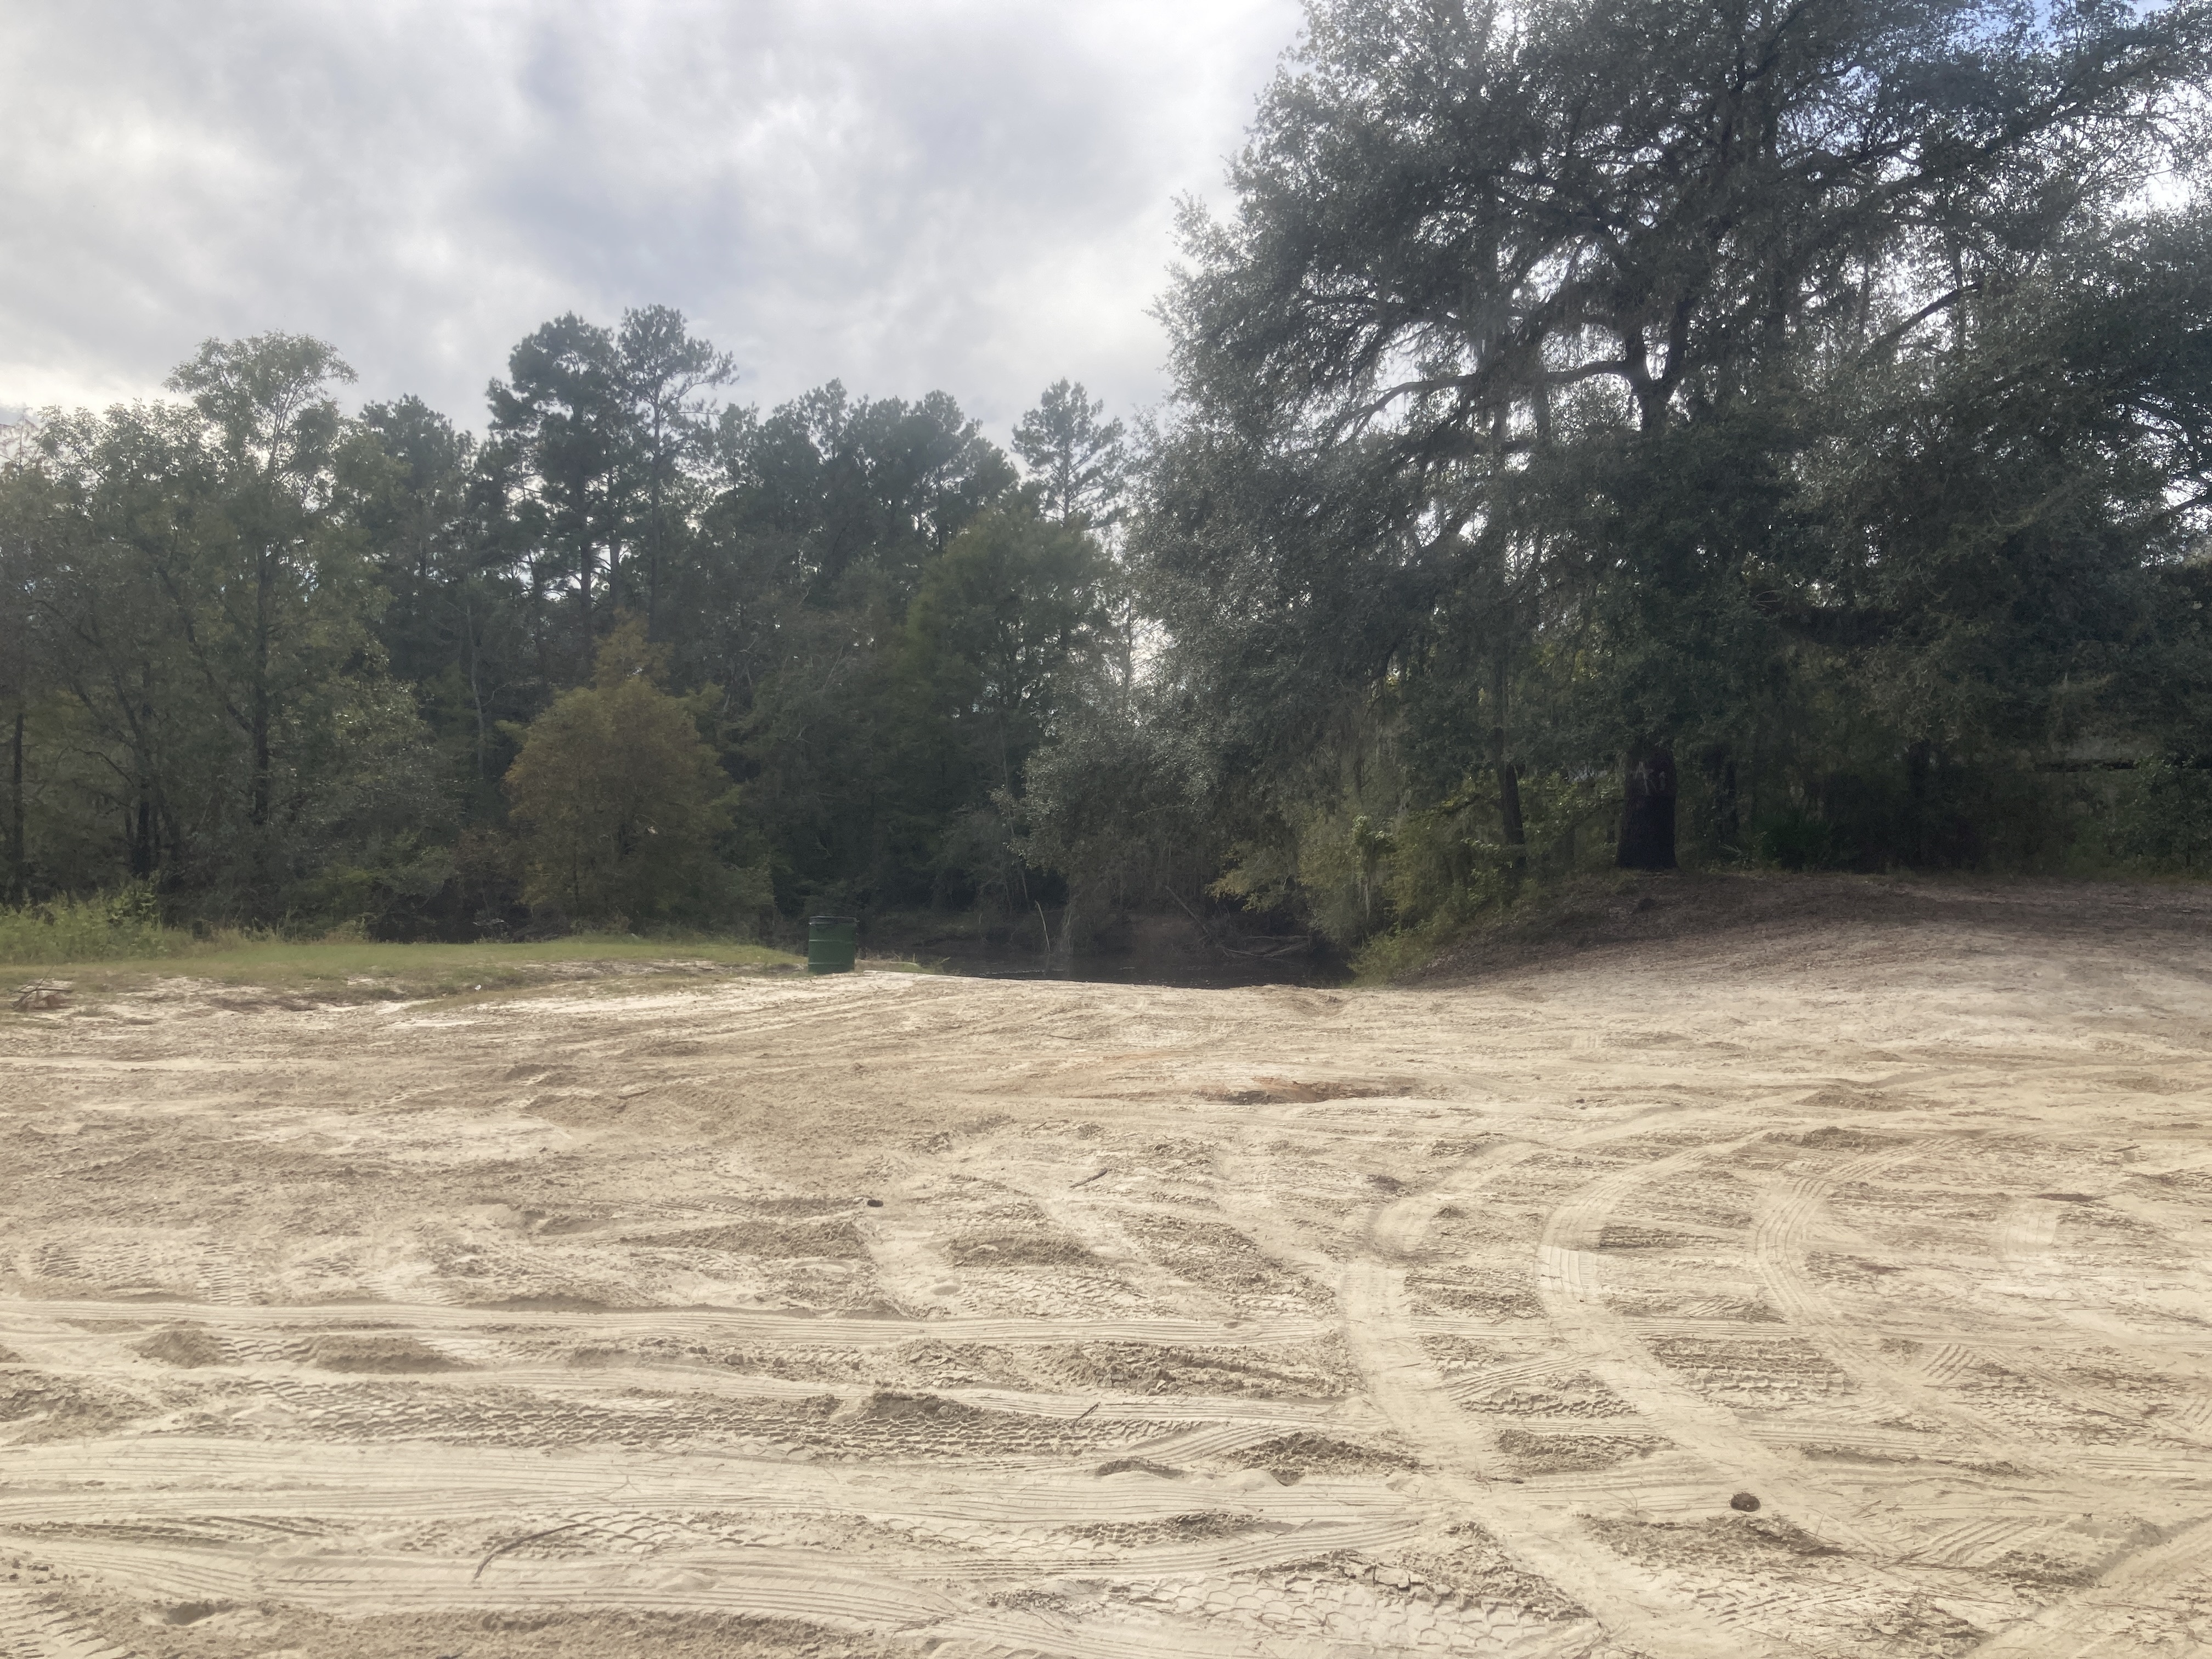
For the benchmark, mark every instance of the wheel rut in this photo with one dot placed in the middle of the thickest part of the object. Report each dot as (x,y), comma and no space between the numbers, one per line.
(1094,1321)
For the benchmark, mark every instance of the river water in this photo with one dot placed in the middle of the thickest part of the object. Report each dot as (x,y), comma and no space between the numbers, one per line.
(1178,969)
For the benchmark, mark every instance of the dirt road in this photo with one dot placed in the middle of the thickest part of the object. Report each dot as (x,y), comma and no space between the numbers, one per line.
(895,1314)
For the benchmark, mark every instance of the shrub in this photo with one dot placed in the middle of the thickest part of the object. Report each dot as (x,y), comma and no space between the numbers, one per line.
(2162,816)
(126,922)
(619,802)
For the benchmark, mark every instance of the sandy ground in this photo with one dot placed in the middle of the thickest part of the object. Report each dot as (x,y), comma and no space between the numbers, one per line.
(895,1315)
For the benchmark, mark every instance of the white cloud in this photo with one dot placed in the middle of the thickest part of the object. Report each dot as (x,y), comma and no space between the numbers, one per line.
(970,194)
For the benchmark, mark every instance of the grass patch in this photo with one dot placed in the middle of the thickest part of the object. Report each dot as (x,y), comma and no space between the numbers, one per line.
(126,923)
(356,970)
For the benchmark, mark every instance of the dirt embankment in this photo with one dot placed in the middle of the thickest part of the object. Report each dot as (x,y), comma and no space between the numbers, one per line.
(1826,1276)
(1684,917)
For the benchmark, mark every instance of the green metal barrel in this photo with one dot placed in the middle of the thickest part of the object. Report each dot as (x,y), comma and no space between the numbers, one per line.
(832,943)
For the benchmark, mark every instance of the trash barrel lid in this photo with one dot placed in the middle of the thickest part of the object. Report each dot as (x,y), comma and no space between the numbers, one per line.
(848,922)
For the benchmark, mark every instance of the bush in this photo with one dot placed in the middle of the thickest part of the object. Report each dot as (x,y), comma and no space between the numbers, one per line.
(2162,816)
(1797,841)
(126,922)
(620,803)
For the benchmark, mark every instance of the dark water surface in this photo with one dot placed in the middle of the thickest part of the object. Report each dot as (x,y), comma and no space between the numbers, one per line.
(1226,974)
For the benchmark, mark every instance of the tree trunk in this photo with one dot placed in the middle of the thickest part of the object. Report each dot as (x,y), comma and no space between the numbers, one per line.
(538,629)
(476,683)
(264,596)
(586,569)
(1509,811)
(659,555)
(1509,776)
(1647,813)
(145,855)
(1919,781)
(1725,815)
(18,878)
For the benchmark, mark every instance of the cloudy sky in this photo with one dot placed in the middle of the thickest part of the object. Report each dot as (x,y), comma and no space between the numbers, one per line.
(969,194)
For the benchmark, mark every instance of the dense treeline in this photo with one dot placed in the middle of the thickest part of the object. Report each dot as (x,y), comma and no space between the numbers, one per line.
(1602,434)
(1635,430)
(627,656)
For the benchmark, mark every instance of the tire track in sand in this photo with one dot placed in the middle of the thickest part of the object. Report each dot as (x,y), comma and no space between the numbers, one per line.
(1410,1391)
(1568,1278)
(2070,1629)
(1780,1231)
(1781,1225)
(809,1587)
(30,1631)
(735,1324)
(2026,1230)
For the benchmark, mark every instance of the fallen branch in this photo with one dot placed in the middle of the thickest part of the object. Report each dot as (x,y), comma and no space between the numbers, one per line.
(1186,910)
(1206,930)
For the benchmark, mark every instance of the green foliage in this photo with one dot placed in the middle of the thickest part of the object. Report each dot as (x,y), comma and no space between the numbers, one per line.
(280,661)
(2162,816)
(1343,863)
(1006,630)
(1386,956)
(1796,840)
(1806,402)
(1375,855)
(373,896)
(1831,433)
(1079,464)
(618,801)
(124,922)
(1117,805)
(204,699)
